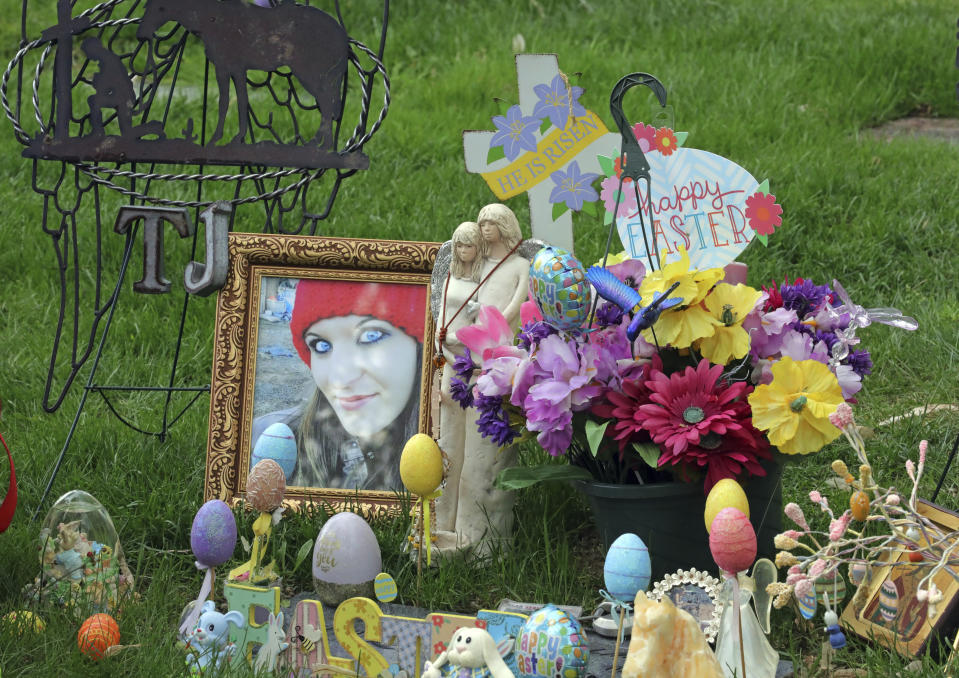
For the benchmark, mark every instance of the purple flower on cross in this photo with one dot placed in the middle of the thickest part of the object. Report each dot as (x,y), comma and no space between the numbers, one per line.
(554,102)
(573,187)
(515,133)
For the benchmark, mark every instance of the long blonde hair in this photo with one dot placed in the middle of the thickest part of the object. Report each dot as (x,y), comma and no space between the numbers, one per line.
(505,221)
(467,233)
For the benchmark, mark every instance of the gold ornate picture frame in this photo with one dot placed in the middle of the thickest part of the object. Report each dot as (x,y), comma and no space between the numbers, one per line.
(890,613)
(332,339)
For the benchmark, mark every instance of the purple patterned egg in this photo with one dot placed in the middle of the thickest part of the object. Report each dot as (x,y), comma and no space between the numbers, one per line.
(213,535)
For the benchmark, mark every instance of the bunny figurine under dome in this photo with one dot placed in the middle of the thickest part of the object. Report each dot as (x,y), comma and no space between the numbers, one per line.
(472,653)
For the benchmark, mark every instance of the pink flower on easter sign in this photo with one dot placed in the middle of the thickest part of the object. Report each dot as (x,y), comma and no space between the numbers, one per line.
(762,213)
(644,136)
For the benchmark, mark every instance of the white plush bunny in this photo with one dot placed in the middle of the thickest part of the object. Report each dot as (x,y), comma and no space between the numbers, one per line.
(269,653)
(472,652)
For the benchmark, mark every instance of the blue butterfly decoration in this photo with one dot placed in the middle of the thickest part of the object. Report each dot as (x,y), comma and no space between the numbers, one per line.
(612,289)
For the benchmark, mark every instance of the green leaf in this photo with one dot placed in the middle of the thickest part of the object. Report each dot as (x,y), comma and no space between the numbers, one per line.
(763,187)
(589,208)
(545,126)
(594,434)
(245,544)
(502,104)
(764,239)
(681,137)
(518,477)
(649,452)
(559,209)
(302,554)
(495,153)
(606,165)
(607,218)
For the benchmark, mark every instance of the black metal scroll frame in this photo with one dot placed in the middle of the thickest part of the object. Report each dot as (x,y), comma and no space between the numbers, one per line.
(270,197)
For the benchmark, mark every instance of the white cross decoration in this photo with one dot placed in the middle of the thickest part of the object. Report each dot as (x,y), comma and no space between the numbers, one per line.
(587,140)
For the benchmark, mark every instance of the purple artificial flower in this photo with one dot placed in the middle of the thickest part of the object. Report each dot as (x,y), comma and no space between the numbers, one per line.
(804,297)
(573,187)
(533,333)
(767,330)
(515,132)
(631,272)
(463,365)
(554,102)
(608,315)
(861,362)
(554,435)
(493,421)
(849,381)
(497,376)
(461,393)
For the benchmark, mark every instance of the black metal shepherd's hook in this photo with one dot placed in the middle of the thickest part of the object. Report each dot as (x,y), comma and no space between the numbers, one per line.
(632,160)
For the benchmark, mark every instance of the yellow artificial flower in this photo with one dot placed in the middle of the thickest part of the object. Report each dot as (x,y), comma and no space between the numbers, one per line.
(794,409)
(685,324)
(614,259)
(729,304)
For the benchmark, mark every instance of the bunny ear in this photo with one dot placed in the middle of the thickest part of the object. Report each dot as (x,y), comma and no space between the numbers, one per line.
(491,655)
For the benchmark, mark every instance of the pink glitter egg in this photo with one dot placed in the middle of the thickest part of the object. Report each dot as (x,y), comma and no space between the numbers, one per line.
(732,540)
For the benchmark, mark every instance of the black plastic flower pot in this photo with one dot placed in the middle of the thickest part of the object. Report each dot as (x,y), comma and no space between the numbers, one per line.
(668,517)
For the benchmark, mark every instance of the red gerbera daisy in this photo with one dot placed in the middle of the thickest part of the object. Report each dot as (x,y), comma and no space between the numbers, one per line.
(685,407)
(665,141)
(762,213)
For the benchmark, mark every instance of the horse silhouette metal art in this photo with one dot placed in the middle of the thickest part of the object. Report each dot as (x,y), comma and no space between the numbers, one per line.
(239,38)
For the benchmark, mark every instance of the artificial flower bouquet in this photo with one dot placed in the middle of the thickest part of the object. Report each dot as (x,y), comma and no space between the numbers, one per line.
(710,390)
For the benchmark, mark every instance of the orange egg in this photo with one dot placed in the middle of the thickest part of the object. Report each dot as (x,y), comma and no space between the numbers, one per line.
(96,634)
(859,503)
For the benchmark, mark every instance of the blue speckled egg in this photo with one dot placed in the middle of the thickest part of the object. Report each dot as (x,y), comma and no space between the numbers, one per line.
(551,644)
(278,443)
(558,283)
(627,568)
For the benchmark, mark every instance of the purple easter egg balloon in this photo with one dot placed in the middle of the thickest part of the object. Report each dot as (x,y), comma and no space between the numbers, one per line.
(213,536)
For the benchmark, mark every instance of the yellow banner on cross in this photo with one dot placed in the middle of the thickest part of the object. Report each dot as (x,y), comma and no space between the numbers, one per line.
(555,150)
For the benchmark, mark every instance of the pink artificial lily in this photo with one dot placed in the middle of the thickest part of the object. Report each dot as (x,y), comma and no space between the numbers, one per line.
(489,333)
(529,312)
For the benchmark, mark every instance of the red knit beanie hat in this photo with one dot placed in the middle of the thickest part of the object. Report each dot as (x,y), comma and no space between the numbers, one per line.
(404,306)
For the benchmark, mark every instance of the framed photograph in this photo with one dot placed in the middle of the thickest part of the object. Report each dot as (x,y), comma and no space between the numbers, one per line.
(698,593)
(322,361)
(891,613)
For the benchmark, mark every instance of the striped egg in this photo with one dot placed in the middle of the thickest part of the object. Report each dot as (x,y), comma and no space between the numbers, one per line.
(807,605)
(627,569)
(857,573)
(732,541)
(835,587)
(888,601)
(96,634)
(384,586)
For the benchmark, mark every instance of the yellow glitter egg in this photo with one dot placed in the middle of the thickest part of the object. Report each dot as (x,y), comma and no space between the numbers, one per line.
(421,465)
(859,504)
(727,492)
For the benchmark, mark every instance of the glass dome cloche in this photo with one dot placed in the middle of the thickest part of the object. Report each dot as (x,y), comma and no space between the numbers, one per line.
(81,560)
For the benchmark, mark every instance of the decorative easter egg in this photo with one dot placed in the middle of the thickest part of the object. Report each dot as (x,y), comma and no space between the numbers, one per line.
(732,541)
(807,605)
(265,486)
(213,535)
(627,568)
(558,284)
(96,634)
(725,493)
(553,644)
(346,559)
(857,573)
(859,505)
(384,586)
(888,600)
(835,587)
(277,442)
(421,465)
(23,621)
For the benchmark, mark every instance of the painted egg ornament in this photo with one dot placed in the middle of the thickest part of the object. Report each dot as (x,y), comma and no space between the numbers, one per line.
(265,486)
(888,600)
(346,559)
(384,586)
(732,541)
(859,505)
(857,573)
(627,568)
(96,634)
(213,535)
(278,443)
(724,494)
(421,465)
(835,587)
(551,644)
(557,282)
(807,605)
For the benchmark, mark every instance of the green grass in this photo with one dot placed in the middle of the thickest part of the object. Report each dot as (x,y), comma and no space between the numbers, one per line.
(788,90)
